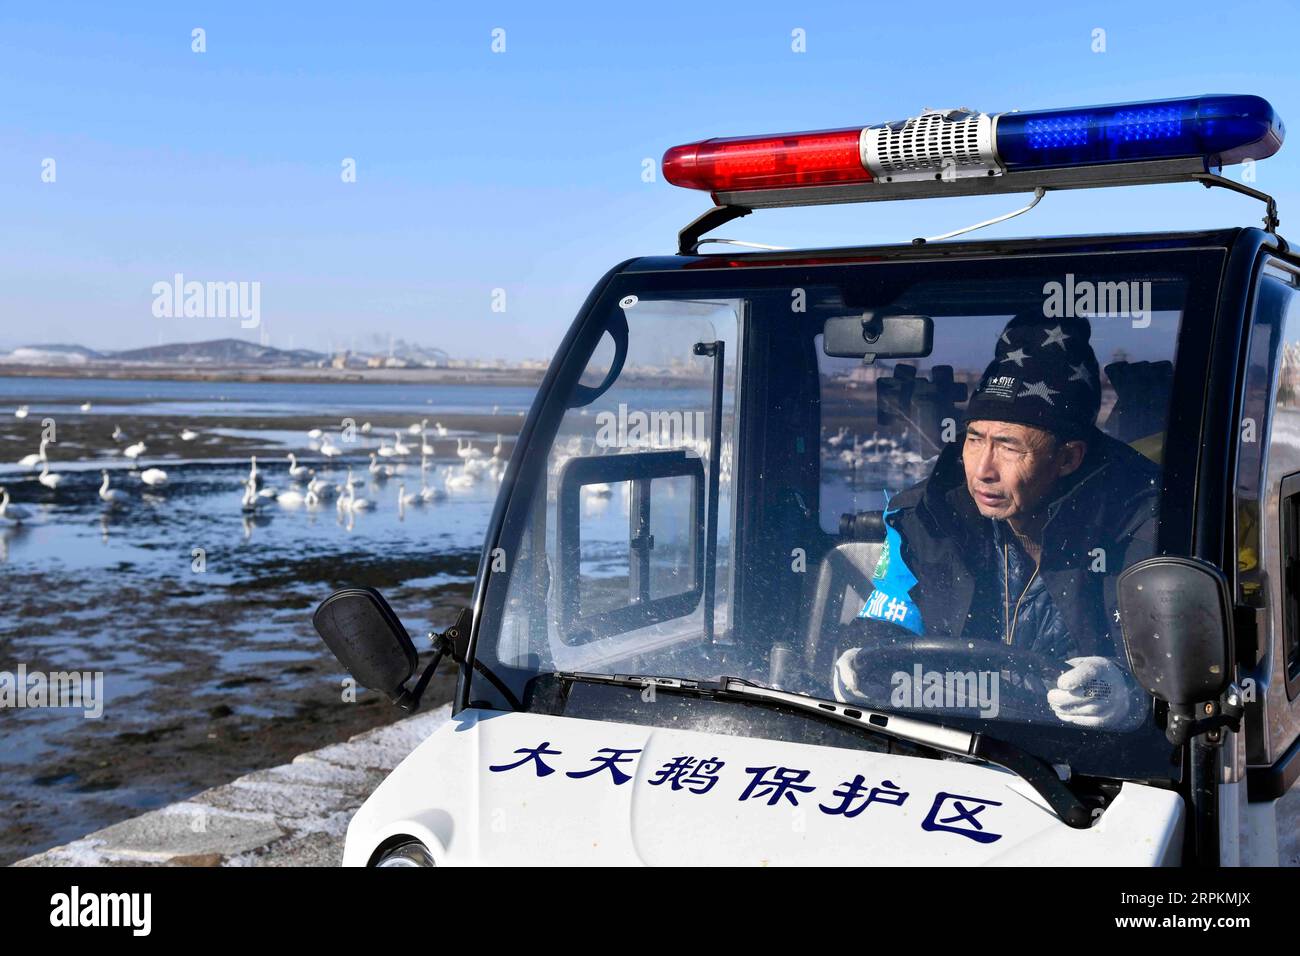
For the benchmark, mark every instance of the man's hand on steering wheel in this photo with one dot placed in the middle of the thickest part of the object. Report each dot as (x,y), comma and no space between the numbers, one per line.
(1097,693)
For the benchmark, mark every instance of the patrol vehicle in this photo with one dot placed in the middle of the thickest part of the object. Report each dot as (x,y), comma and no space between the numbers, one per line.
(691,527)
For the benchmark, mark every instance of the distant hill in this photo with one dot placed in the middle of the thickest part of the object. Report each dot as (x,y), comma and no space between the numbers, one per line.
(52,355)
(218,353)
(223,353)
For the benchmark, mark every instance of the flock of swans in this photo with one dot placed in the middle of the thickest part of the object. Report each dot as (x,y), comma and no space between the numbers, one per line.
(852,452)
(40,460)
(304,487)
(307,489)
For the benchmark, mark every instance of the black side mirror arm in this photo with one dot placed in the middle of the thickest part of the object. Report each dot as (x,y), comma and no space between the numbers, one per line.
(453,643)
(1183,723)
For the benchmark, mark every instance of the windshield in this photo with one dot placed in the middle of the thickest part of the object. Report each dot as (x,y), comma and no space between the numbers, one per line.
(906,485)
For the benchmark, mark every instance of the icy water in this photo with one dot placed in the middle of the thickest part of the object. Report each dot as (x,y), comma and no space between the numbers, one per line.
(196,614)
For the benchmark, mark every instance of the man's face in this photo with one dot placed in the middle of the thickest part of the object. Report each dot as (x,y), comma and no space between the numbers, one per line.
(1011,469)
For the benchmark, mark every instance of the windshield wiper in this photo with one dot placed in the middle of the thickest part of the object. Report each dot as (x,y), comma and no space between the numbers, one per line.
(962,743)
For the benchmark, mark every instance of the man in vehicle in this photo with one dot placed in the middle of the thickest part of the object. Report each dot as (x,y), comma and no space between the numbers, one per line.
(1022,527)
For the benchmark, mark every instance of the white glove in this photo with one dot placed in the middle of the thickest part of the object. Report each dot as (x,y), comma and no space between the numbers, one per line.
(1096,692)
(846,678)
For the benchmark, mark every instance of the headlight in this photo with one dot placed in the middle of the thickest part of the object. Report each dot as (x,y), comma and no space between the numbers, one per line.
(410,853)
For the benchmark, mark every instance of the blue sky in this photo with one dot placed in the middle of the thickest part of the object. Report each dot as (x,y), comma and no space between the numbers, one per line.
(519,170)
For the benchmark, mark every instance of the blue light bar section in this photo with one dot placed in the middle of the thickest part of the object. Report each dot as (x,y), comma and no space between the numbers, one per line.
(1222,129)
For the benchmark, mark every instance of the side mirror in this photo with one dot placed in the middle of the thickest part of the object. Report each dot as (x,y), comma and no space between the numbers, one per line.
(1176,618)
(870,336)
(364,633)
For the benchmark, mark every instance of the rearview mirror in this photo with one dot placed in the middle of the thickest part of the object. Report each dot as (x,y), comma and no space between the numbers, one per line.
(871,336)
(1176,618)
(364,633)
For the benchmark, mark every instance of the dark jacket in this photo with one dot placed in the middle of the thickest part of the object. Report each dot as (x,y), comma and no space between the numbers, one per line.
(1109,503)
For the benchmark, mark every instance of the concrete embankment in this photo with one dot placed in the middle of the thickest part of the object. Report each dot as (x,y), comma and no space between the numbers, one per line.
(292,815)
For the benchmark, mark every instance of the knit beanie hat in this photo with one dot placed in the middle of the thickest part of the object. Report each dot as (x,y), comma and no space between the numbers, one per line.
(1044,374)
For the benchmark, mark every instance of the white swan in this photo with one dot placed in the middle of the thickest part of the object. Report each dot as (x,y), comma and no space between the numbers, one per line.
(414,428)
(12,513)
(321,489)
(189,434)
(251,500)
(403,498)
(348,501)
(134,451)
(430,494)
(400,449)
(380,471)
(254,475)
(496,449)
(296,471)
(440,429)
(118,434)
(329,450)
(365,428)
(315,434)
(31,461)
(48,480)
(20,411)
(110,495)
(154,477)
(458,481)
(85,406)
(291,499)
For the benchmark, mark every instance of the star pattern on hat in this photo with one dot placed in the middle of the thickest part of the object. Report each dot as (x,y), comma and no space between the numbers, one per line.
(1039,390)
(1081,374)
(1055,336)
(1018,356)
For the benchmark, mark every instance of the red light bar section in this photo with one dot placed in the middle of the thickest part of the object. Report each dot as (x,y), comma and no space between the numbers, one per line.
(767,162)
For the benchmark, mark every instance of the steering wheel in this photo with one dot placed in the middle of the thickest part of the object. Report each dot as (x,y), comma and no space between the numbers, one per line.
(878,662)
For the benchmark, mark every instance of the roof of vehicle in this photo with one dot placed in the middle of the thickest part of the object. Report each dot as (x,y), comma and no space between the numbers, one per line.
(1055,245)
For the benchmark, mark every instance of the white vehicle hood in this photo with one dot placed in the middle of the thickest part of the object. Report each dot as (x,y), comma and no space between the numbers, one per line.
(474,793)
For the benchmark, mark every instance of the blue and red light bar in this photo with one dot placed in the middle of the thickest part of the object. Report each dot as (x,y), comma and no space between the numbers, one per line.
(958,144)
